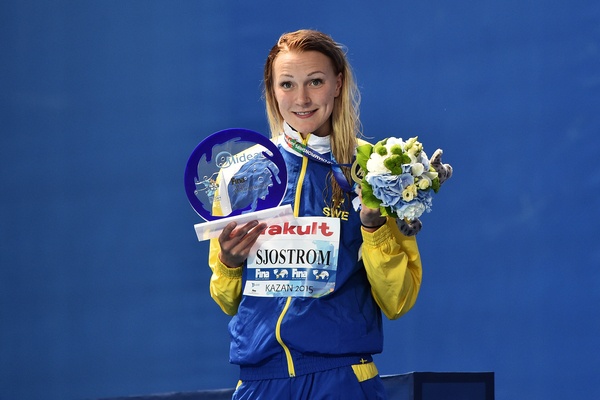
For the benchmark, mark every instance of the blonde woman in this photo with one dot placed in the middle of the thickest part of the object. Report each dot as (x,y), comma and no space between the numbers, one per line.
(307,299)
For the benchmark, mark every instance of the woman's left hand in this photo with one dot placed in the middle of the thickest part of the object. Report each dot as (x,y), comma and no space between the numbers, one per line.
(370,218)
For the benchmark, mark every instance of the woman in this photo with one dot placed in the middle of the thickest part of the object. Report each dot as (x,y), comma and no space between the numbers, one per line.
(315,344)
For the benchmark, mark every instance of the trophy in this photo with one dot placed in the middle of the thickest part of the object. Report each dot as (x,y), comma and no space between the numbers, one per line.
(236,175)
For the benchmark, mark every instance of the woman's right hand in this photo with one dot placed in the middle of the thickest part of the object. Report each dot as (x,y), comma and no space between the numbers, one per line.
(236,242)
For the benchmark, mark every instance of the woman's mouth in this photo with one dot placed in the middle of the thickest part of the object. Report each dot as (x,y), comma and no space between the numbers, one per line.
(304,114)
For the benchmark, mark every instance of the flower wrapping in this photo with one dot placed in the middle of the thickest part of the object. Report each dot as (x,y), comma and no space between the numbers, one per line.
(396,177)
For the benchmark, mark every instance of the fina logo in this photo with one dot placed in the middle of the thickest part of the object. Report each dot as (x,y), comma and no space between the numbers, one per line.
(224,159)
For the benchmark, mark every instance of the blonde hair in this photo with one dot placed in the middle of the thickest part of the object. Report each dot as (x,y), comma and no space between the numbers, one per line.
(345,115)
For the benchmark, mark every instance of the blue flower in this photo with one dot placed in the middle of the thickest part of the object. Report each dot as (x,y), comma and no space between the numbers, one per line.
(406,179)
(387,188)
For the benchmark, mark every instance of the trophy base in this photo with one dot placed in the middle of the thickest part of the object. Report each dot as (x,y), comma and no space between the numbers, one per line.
(212,229)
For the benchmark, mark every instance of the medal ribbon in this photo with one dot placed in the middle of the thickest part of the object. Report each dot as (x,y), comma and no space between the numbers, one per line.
(306,151)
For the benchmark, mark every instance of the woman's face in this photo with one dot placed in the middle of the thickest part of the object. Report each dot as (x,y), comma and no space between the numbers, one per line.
(305,86)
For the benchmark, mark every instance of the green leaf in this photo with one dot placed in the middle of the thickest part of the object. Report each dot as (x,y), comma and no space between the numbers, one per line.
(435,184)
(388,211)
(362,155)
(368,198)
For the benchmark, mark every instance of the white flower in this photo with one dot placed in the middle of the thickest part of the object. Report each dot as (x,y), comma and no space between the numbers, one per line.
(412,211)
(375,164)
(430,174)
(392,141)
(413,158)
(417,169)
(413,147)
(424,183)
(424,160)
(409,193)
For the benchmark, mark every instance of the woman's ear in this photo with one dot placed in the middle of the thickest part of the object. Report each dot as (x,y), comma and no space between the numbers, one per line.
(338,84)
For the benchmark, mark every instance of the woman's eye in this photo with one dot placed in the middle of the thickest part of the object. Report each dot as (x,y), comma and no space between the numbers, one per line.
(286,85)
(316,82)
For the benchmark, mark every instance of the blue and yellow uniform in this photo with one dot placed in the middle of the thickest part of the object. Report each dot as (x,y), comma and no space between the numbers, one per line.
(310,348)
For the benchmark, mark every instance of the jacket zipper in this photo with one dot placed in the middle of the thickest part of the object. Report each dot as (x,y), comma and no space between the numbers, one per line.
(288,354)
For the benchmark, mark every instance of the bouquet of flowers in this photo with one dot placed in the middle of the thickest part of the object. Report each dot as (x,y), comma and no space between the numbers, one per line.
(397,177)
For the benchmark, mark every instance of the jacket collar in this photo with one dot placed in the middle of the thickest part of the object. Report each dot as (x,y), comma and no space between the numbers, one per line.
(319,144)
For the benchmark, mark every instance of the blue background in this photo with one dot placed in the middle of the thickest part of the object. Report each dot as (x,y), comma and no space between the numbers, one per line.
(103,285)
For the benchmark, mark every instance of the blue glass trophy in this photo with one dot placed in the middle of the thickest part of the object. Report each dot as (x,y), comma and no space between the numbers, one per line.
(236,175)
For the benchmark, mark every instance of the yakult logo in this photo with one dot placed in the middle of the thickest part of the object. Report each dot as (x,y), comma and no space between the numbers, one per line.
(314,228)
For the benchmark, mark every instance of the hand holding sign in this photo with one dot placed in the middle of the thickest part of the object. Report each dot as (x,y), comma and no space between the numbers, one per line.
(236,242)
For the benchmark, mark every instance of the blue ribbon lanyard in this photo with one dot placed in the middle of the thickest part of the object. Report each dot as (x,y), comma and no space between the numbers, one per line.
(306,151)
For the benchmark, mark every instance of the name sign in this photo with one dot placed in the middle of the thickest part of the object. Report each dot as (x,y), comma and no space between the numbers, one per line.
(297,259)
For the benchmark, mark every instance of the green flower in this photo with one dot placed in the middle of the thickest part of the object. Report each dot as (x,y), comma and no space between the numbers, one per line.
(380,148)
(396,149)
(394,164)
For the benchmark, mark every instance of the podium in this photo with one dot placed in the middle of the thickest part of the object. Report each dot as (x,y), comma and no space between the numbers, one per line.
(440,386)
(409,386)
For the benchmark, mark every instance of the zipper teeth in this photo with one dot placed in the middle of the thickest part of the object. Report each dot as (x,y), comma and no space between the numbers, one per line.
(299,187)
(288,354)
(300,180)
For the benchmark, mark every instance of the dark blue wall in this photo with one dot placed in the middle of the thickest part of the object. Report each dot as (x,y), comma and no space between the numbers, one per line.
(103,286)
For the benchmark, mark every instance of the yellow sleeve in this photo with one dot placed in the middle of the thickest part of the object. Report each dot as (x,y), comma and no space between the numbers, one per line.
(225,283)
(393,266)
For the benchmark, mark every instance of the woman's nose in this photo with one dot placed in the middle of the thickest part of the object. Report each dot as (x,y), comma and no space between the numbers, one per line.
(302,97)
